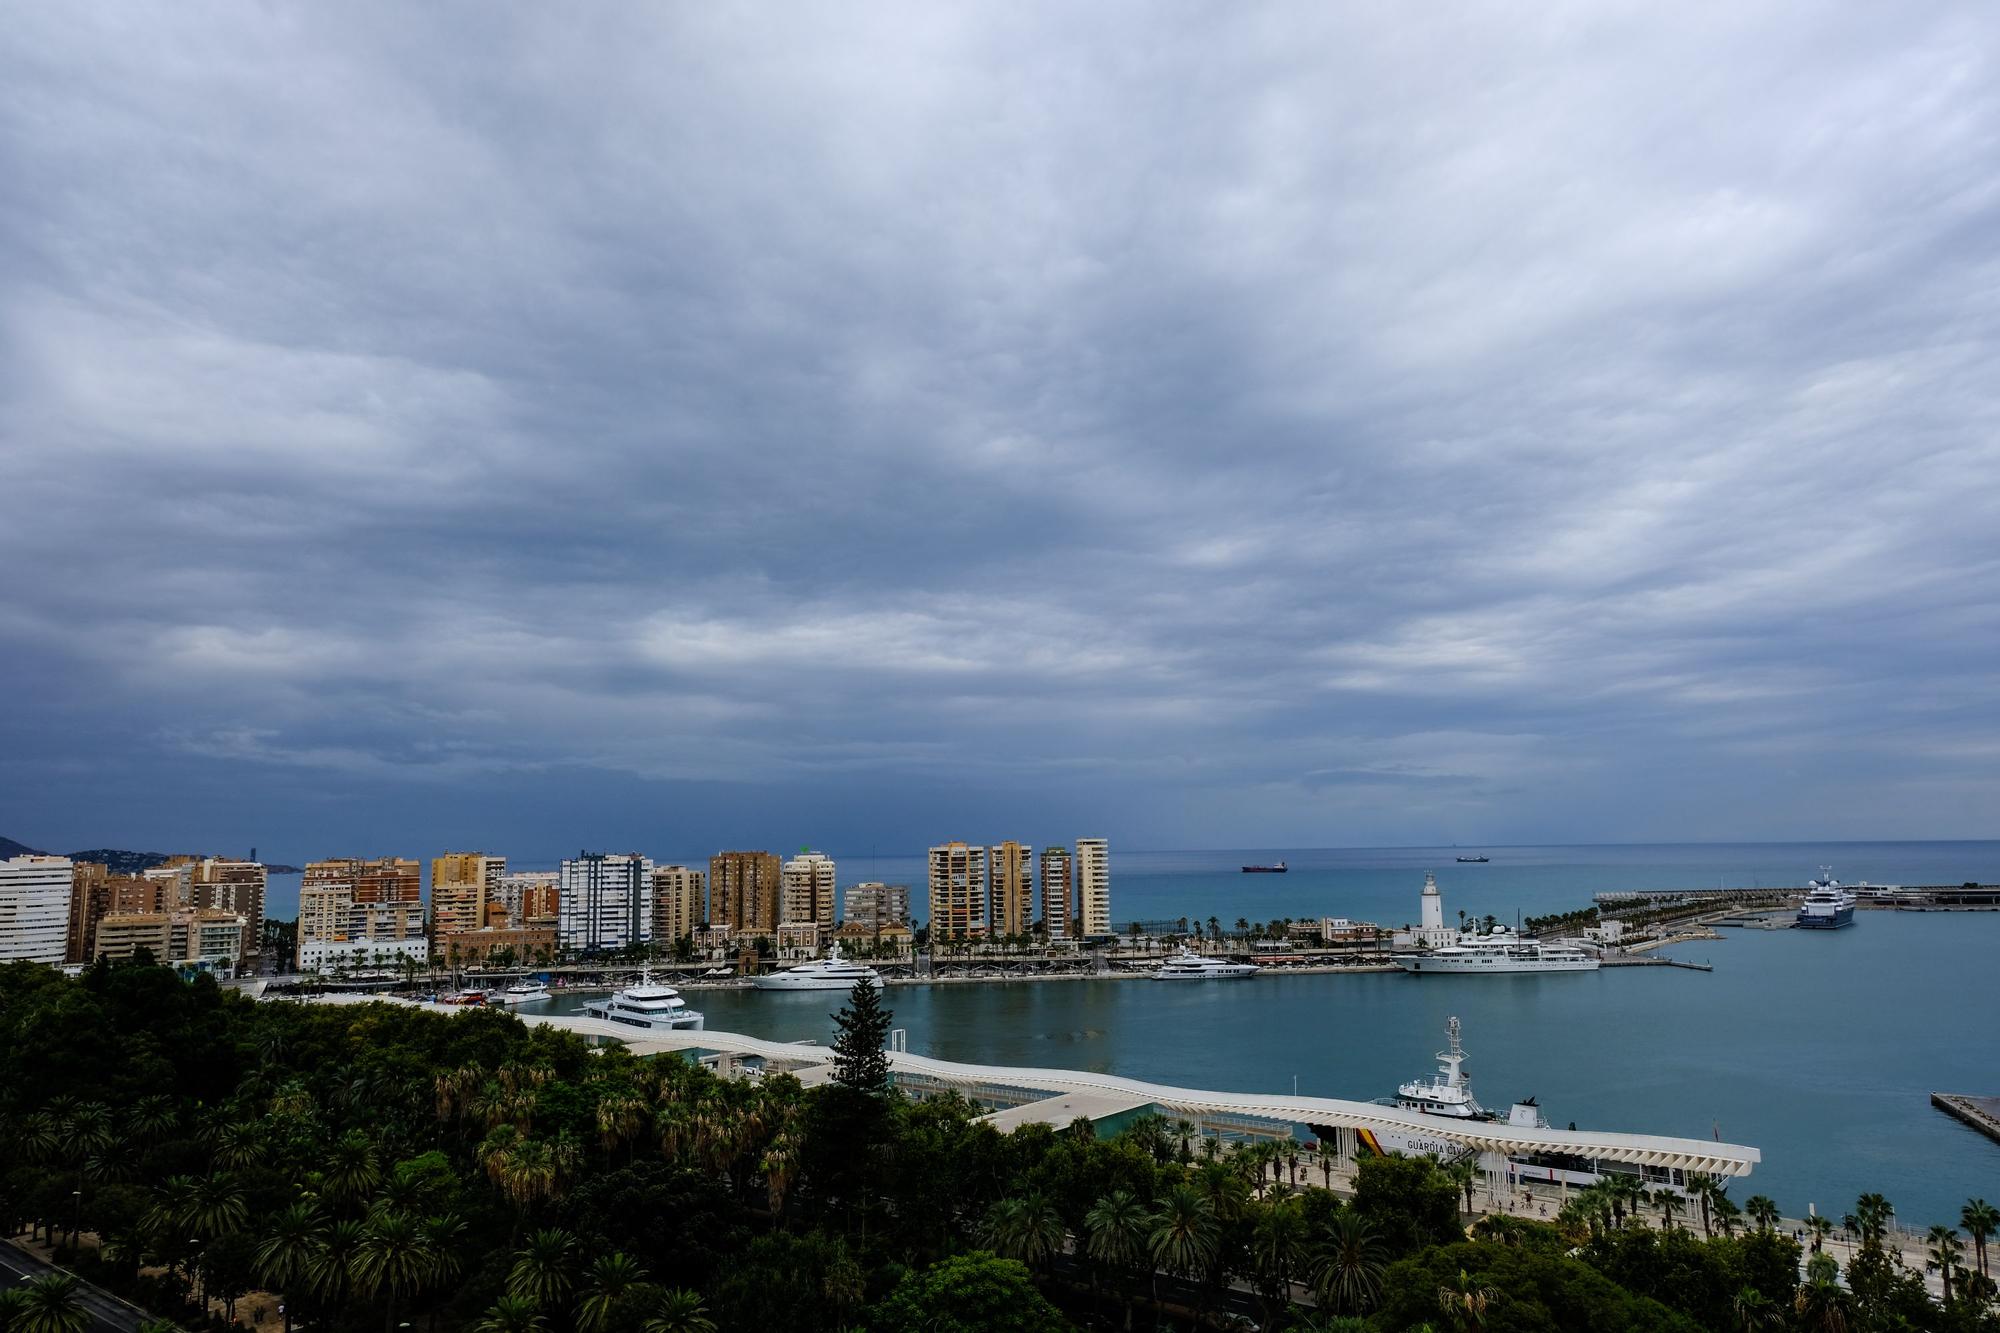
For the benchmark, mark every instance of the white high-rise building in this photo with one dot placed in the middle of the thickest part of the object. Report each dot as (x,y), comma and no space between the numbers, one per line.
(606,902)
(806,890)
(34,908)
(1093,887)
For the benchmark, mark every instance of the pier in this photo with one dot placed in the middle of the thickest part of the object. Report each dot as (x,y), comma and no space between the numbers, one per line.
(1650,960)
(1981,1113)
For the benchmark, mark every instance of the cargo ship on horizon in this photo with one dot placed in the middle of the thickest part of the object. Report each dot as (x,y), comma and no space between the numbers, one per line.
(1275,868)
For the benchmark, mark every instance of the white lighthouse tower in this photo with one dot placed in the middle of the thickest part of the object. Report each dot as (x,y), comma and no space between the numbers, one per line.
(1433,933)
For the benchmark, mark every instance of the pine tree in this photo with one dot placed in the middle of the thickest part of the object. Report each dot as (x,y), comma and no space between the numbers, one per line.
(859,1063)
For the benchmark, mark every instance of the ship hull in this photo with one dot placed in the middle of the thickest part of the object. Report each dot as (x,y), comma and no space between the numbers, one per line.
(1830,921)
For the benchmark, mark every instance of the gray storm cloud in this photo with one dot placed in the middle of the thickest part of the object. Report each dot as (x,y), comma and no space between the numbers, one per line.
(1311,425)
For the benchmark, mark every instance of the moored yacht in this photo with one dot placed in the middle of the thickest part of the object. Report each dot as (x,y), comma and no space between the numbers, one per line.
(1187,965)
(524,991)
(1829,904)
(646,1004)
(1500,950)
(829,973)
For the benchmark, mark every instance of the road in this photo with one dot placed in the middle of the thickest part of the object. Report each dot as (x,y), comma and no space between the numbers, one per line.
(107,1313)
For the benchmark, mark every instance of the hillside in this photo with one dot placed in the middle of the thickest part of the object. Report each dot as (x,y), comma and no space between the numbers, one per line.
(120,861)
(8,847)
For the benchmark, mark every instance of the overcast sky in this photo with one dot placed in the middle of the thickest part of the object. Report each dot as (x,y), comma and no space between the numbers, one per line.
(677,426)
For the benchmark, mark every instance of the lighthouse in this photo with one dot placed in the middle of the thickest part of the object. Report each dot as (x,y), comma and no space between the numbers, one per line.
(1433,933)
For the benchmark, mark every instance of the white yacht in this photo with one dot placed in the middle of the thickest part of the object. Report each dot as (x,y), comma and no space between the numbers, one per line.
(1500,950)
(829,973)
(1187,965)
(524,991)
(646,1005)
(1828,905)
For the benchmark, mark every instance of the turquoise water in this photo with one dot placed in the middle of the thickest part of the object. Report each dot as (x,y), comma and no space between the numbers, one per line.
(1819,1048)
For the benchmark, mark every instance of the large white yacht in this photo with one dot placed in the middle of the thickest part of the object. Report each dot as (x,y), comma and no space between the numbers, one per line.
(829,973)
(1499,950)
(646,1004)
(1828,905)
(524,991)
(1187,965)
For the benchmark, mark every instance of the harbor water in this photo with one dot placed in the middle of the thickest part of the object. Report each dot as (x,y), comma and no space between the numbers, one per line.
(1820,1048)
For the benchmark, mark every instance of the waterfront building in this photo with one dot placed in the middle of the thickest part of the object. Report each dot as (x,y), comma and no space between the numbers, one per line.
(351,900)
(361,955)
(517,946)
(800,939)
(122,934)
(1058,894)
(808,889)
(34,908)
(605,902)
(462,883)
(1339,930)
(527,897)
(743,890)
(205,937)
(958,884)
(1093,888)
(219,884)
(677,904)
(876,906)
(1011,884)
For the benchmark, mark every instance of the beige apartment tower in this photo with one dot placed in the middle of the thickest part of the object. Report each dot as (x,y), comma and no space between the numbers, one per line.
(462,884)
(1012,885)
(348,898)
(1058,894)
(808,890)
(677,904)
(743,892)
(958,884)
(1093,887)
(218,884)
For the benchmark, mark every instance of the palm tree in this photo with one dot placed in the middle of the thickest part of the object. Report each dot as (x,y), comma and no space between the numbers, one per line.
(1753,1310)
(284,1256)
(1980,1220)
(1465,1302)
(544,1271)
(1184,1234)
(1873,1212)
(442,1236)
(1277,1252)
(1117,1229)
(215,1208)
(1762,1211)
(331,1269)
(49,1305)
(511,1314)
(1945,1252)
(611,1276)
(1669,1203)
(678,1311)
(1706,1191)
(1821,1304)
(393,1259)
(619,1119)
(1464,1173)
(351,1172)
(1027,1229)
(1347,1275)
(1727,1215)
(1821,1226)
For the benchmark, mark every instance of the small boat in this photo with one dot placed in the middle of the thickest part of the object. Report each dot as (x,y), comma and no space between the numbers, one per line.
(525,991)
(1187,965)
(1473,860)
(1275,868)
(464,997)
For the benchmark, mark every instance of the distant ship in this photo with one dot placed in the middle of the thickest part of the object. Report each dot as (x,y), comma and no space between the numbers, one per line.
(1275,868)
(1828,905)
(1474,860)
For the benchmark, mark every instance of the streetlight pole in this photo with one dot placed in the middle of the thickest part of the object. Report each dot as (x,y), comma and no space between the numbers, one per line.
(75,1217)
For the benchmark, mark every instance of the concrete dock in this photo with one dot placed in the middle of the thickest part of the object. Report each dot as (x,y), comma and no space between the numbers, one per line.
(1982,1113)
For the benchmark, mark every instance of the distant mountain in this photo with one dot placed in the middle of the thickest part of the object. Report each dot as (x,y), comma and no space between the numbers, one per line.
(118,860)
(8,847)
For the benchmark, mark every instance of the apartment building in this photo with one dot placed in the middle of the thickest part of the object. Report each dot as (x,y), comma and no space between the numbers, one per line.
(1011,888)
(1058,893)
(678,908)
(363,903)
(876,905)
(958,887)
(807,890)
(218,884)
(743,892)
(462,884)
(1093,887)
(34,908)
(605,902)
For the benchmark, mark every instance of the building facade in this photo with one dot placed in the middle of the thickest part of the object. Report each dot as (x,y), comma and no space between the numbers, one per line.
(876,906)
(958,887)
(218,884)
(678,904)
(743,889)
(1012,884)
(527,898)
(462,884)
(528,946)
(606,902)
(1058,894)
(34,908)
(1093,888)
(807,890)
(360,902)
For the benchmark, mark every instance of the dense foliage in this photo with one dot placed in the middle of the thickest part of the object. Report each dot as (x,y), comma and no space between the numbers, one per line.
(374,1166)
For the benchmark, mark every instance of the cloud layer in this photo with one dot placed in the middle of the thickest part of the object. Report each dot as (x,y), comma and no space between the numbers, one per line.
(687,424)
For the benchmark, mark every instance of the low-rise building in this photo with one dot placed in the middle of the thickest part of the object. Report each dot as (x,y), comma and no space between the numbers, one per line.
(1339,930)
(517,946)
(362,955)
(800,939)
